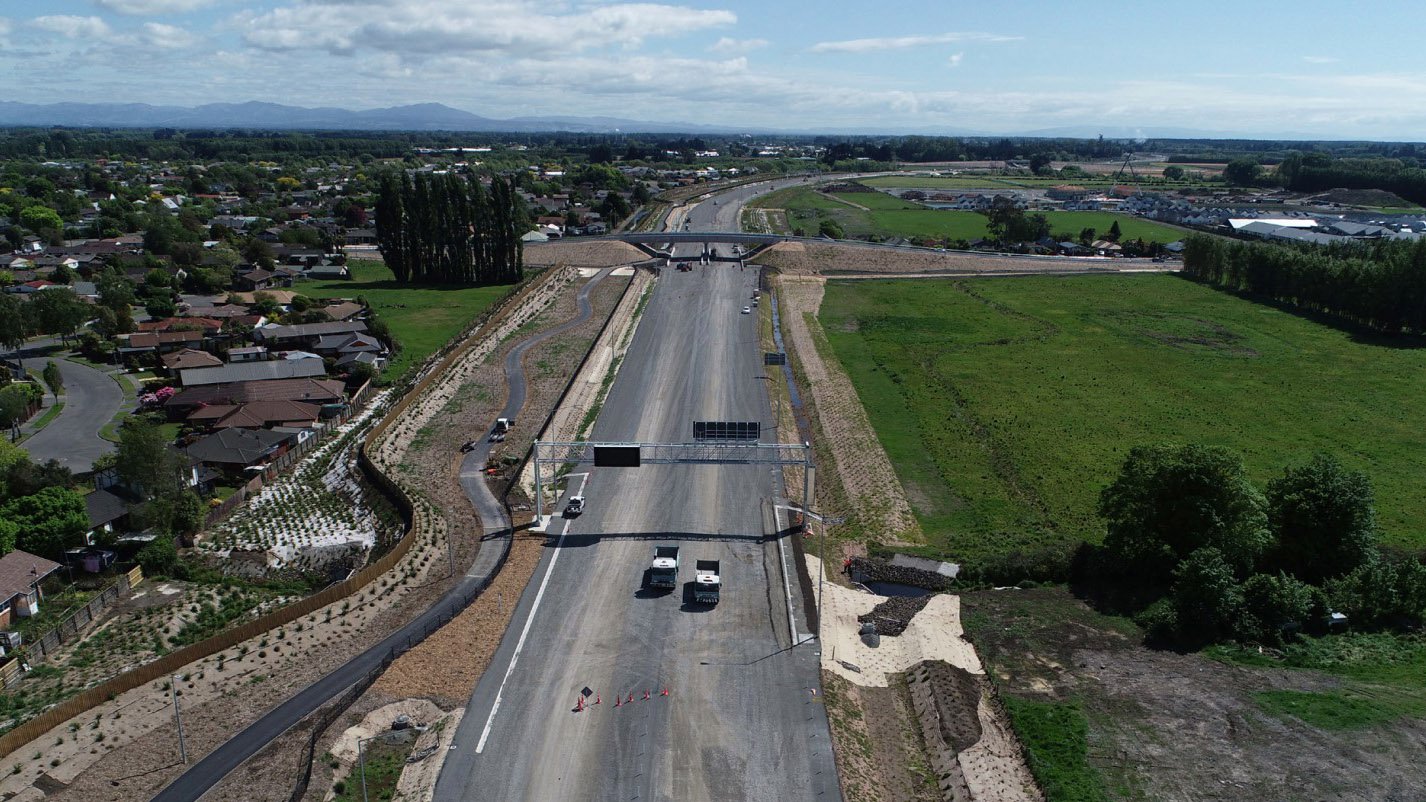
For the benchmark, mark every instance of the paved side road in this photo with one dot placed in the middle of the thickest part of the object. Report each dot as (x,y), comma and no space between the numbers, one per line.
(92,397)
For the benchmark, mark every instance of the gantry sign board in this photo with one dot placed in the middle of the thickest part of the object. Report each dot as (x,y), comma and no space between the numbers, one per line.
(723,431)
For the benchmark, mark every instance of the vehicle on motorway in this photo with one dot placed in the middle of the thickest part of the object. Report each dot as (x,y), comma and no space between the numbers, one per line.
(747,310)
(502,426)
(574,507)
(467,447)
(707,582)
(684,267)
(663,571)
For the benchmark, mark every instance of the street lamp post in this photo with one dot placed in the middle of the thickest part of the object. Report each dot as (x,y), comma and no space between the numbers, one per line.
(178,718)
(361,762)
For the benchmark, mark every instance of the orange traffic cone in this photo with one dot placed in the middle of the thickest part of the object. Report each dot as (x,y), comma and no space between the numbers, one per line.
(579,705)
(664,692)
(618,702)
(631,698)
(646,696)
(596,698)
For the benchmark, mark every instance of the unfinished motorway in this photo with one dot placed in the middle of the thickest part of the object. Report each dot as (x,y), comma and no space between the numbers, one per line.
(732,710)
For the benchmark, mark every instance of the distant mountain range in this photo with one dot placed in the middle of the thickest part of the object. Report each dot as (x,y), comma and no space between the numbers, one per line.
(417,117)
(439,117)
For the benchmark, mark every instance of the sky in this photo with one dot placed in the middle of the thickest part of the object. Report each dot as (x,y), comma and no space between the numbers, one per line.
(1309,68)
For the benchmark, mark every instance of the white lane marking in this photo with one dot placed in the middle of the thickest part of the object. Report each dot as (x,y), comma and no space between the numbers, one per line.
(792,631)
(520,644)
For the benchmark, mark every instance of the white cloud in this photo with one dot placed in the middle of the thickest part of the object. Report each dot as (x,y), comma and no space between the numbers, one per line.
(420,29)
(170,37)
(74,27)
(5,26)
(152,7)
(905,42)
(728,46)
(955,59)
(1321,59)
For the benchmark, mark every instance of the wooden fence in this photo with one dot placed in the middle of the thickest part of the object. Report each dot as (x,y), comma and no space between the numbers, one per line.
(76,624)
(173,661)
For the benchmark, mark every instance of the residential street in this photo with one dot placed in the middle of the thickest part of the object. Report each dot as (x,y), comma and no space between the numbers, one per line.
(91,400)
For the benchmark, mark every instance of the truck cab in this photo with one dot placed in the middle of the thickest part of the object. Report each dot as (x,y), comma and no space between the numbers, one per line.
(707,582)
(497,432)
(574,507)
(663,571)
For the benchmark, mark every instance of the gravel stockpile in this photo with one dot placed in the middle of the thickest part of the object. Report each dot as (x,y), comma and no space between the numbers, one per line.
(871,569)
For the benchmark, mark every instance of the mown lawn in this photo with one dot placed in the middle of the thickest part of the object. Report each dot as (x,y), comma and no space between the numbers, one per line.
(1007,404)
(422,317)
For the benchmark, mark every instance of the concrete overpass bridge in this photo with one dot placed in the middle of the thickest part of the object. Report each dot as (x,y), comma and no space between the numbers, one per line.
(659,244)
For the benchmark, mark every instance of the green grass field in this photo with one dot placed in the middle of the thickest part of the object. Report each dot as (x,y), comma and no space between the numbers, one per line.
(1007,404)
(893,217)
(1383,679)
(423,318)
(877,200)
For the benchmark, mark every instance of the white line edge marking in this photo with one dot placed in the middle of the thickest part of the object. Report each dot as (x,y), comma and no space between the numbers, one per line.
(792,631)
(520,644)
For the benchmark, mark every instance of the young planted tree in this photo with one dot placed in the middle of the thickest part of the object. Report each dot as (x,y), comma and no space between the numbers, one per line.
(53,378)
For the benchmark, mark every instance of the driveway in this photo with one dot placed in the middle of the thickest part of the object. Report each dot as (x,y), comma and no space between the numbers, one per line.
(91,398)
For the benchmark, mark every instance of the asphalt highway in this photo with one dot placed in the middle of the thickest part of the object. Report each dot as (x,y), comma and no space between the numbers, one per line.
(741,719)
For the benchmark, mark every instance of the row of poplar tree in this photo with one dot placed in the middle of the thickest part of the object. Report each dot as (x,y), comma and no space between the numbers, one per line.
(450,229)
(1380,285)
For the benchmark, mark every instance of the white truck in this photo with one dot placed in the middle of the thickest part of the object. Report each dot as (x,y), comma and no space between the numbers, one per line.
(706,582)
(575,507)
(663,571)
(502,425)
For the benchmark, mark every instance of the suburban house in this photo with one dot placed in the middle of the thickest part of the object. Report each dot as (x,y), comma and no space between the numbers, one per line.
(159,342)
(247,353)
(254,280)
(340,345)
(20,576)
(306,334)
(256,415)
(107,514)
(251,371)
(189,358)
(236,450)
(313,391)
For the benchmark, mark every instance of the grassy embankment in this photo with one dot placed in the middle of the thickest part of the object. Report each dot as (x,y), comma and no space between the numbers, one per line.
(1007,405)
(422,317)
(887,216)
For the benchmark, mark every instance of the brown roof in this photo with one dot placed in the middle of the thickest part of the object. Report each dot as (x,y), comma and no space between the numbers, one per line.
(190,358)
(170,323)
(283,297)
(20,570)
(261,414)
(315,391)
(211,412)
(156,338)
(344,310)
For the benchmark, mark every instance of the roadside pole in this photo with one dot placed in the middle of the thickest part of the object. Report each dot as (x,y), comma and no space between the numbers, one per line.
(361,762)
(178,718)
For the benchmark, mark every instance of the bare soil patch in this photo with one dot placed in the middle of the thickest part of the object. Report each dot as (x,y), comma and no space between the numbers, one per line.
(582,254)
(1169,726)
(817,259)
